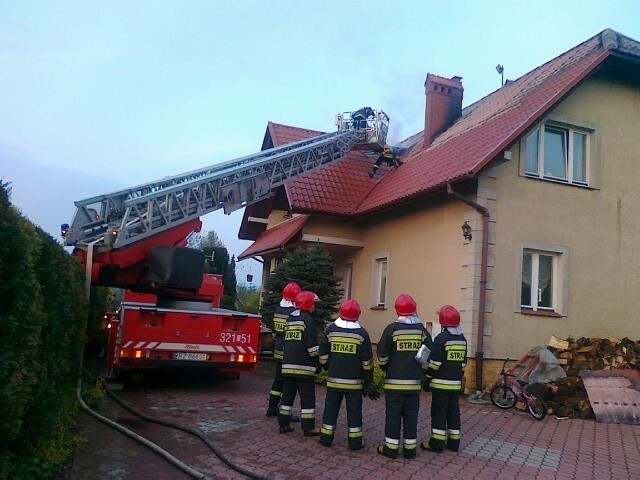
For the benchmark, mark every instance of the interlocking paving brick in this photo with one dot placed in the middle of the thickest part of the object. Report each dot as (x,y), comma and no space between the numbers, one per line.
(518,454)
(495,444)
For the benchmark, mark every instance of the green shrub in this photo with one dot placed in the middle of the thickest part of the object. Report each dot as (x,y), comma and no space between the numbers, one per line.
(92,394)
(378,376)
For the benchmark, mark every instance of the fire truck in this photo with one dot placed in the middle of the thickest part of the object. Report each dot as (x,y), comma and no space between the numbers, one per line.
(135,240)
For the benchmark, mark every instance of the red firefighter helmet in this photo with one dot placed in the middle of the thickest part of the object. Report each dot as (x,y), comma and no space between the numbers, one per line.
(305,301)
(405,305)
(350,310)
(291,291)
(448,316)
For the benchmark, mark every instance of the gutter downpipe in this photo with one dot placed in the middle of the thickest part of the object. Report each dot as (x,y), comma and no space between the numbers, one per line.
(483,282)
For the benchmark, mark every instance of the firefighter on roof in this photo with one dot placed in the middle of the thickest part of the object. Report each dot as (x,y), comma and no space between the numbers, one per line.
(300,365)
(397,351)
(390,155)
(345,351)
(289,293)
(444,378)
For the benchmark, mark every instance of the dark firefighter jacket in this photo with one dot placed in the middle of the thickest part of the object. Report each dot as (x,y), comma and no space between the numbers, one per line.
(279,320)
(447,362)
(300,357)
(397,350)
(345,351)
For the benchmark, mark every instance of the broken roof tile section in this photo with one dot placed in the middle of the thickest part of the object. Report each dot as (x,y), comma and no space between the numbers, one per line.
(276,238)
(485,129)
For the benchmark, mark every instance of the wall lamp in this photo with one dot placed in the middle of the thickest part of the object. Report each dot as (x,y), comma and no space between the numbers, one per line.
(466,231)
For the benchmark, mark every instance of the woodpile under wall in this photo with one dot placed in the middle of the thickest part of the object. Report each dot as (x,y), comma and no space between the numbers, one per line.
(567,397)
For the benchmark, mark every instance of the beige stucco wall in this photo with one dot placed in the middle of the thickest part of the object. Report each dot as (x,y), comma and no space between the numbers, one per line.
(338,229)
(425,255)
(275,218)
(599,227)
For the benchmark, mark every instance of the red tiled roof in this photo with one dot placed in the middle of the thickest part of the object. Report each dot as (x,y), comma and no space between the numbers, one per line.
(480,135)
(275,238)
(486,128)
(332,190)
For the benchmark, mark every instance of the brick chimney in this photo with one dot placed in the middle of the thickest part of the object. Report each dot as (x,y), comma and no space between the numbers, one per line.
(443,105)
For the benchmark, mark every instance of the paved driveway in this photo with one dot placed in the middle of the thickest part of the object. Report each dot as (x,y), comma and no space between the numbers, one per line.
(495,444)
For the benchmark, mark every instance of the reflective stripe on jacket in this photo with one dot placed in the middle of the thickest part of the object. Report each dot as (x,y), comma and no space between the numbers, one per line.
(397,350)
(300,357)
(346,351)
(447,362)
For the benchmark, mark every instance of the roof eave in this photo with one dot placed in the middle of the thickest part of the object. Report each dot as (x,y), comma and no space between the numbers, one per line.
(431,191)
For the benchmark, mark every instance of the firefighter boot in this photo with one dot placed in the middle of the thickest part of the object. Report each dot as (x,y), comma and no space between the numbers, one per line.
(409,448)
(326,435)
(273,410)
(387,452)
(355,438)
(431,446)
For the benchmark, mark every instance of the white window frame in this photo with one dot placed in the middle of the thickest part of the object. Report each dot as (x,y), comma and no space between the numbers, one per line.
(570,127)
(347,279)
(560,275)
(380,280)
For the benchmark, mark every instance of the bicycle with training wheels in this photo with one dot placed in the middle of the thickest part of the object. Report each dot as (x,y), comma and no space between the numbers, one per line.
(509,390)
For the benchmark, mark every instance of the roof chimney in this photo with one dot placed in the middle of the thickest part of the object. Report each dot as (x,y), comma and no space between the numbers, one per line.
(443,105)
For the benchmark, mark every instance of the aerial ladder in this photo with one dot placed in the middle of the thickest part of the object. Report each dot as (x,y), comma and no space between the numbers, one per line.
(113,234)
(134,239)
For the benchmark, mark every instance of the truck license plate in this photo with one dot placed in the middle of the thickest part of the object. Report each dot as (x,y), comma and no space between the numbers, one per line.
(190,356)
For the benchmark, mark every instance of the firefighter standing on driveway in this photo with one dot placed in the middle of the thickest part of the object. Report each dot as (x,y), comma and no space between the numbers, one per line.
(444,379)
(300,365)
(345,351)
(397,350)
(289,293)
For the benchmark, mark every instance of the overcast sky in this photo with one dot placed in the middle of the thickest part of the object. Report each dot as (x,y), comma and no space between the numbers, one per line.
(97,94)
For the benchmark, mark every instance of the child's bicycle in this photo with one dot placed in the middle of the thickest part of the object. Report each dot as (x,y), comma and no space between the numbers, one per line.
(509,391)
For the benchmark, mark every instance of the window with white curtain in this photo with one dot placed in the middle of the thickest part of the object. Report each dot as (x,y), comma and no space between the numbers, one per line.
(380,280)
(544,276)
(347,280)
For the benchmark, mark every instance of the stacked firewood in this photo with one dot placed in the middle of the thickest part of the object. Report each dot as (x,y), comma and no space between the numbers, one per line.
(567,397)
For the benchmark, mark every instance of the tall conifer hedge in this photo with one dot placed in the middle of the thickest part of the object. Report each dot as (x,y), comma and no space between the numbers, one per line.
(43,314)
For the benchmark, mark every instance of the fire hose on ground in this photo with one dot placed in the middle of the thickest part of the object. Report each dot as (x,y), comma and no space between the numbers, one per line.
(154,447)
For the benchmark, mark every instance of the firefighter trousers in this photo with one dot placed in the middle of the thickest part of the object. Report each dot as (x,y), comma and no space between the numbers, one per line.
(332,403)
(401,415)
(445,420)
(306,387)
(275,394)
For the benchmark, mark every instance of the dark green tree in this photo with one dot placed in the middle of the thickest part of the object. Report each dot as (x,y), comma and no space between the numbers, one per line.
(312,269)
(218,262)
(248,298)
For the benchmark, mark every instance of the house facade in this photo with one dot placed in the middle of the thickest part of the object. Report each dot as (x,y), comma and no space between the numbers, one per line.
(545,172)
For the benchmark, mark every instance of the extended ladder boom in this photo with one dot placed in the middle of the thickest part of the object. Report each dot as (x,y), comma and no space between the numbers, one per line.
(121,218)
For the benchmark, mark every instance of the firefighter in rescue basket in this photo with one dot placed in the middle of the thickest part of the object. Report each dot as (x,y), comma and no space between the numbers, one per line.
(289,293)
(346,353)
(300,365)
(444,378)
(399,344)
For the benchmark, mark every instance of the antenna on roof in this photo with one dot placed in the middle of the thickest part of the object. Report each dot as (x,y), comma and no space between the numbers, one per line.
(500,70)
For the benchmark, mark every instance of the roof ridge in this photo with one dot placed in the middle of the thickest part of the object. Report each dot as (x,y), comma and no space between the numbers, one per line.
(276,124)
(512,86)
